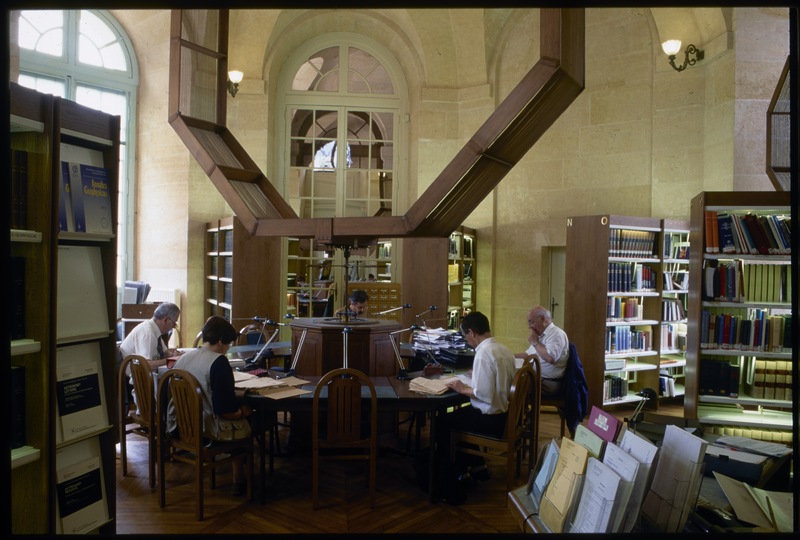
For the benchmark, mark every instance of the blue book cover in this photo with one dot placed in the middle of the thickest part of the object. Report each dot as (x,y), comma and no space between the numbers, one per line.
(726,241)
(65,219)
(91,199)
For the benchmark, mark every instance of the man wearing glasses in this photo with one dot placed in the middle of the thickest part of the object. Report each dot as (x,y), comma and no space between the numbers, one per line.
(146,339)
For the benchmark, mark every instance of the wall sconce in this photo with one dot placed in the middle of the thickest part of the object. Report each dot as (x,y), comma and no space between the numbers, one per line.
(234,78)
(673,46)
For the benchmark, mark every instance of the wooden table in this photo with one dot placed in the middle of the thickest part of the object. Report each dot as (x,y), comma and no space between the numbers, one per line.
(393,396)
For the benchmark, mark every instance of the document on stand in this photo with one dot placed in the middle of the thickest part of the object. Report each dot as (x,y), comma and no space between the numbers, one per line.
(564,486)
(600,488)
(645,453)
(626,467)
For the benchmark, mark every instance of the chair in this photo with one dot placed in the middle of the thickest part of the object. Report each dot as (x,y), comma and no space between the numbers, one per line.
(198,340)
(340,433)
(188,443)
(137,417)
(509,447)
(531,433)
(572,402)
(253,334)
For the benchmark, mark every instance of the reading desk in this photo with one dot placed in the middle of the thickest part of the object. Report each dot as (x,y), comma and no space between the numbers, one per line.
(393,396)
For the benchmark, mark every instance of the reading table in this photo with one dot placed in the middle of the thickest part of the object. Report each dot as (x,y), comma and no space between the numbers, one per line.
(393,396)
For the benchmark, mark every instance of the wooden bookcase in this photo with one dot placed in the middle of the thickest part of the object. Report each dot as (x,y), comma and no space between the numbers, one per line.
(50,130)
(742,410)
(592,257)
(674,306)
(461,268)
(240,273)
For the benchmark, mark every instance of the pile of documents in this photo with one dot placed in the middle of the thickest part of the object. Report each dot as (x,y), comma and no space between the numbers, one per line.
(269,386)
(434,339)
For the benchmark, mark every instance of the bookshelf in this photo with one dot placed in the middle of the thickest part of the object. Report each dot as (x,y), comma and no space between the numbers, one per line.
(461,269)
(735,378)
(674,297)
(239,268)
(63,309)
(613,304)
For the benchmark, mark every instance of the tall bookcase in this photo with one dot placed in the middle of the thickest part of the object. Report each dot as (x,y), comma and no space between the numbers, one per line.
(613,319)
(736,380)
(674,306)
(461,269)
(68,348)
(240,273)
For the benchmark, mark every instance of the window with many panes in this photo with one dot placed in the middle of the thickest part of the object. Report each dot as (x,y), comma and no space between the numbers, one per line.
(343,99)
(85,56)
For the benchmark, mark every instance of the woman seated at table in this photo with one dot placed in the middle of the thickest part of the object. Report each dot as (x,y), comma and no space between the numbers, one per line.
(211,368)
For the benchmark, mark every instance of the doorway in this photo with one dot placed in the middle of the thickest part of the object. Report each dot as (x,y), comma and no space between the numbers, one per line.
(553,298)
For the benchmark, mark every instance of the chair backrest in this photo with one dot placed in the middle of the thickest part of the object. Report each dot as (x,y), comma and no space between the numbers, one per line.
(198,340)
(180,389)
(252,334)
(520,397)
(137,368)
(343,424)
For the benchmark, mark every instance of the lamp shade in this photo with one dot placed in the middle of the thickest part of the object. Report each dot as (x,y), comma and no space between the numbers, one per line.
(671,47)
(237,76)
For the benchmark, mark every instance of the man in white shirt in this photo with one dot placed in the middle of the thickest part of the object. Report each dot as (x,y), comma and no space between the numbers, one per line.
(551,344)
(146,338)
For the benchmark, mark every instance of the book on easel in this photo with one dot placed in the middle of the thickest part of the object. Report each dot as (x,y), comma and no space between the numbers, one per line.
(91,199)
(79,392)
(81,300)
(81,501)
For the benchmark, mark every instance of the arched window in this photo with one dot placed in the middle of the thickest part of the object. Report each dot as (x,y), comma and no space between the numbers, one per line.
(85,56)
(342,91)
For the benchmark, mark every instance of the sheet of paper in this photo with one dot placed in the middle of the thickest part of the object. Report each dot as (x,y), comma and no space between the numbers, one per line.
(259,382)
(675,480)
(560,492)
(627,467)
(590,440)
(737,455)
(645,453)
(545,473)
(280,392)
(600,489)
(746,508)
(758,447)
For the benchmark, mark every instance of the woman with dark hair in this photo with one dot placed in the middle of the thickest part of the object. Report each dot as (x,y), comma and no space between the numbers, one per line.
(211,368)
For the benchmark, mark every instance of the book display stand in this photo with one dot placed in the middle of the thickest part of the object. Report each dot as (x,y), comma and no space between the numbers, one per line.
(68,348)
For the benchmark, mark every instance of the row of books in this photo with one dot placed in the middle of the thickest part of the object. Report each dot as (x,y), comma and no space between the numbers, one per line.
(624,309)
(676,281)
(614,388)
(737,281)
(631,277)
(672,309)
(758,434)
(718,378)
(746,330)
(19,189)
(770,379)
(85,199)
(747,233)
(675,247)
(666,385)
(673,337)
(635,244)
(625,338)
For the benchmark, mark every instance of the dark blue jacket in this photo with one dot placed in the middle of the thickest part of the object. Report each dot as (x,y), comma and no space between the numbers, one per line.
(575,391)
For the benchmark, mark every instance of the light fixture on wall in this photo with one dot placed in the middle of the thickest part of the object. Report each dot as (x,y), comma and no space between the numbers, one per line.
(234,78)
(673,46)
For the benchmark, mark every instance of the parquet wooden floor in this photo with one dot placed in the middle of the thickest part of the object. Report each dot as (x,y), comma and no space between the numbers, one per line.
(401,507)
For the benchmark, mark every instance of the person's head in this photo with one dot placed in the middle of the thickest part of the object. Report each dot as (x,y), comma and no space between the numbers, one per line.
(166,316)
(475,327)
(539,318)
(218,330)
(357,302)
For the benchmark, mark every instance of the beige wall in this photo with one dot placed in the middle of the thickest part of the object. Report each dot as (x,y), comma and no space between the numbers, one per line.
(641,139)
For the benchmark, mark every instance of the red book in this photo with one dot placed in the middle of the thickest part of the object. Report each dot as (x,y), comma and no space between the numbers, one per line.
(604,425)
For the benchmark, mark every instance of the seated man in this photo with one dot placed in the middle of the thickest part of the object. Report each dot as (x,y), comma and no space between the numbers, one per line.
(551,344)
(356,304)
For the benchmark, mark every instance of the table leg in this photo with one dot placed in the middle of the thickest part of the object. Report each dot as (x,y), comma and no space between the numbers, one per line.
(432,456)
